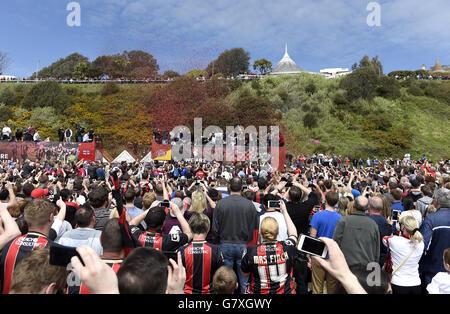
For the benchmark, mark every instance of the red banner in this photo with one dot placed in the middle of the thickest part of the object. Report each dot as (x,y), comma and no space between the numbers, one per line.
(42,151)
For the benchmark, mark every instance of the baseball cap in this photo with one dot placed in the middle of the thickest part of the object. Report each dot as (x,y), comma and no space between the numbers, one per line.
(38,193)
(155,217)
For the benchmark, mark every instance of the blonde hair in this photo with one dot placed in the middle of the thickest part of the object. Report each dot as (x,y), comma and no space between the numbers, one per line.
(269,229)
(148,200)
(431,210)
(411,227)
(198,203)
(37,212)
(343,206)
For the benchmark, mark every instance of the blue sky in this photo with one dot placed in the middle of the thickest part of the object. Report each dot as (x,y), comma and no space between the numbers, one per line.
(188,34)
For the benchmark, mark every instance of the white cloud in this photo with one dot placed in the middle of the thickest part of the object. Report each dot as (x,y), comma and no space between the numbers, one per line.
(322,28)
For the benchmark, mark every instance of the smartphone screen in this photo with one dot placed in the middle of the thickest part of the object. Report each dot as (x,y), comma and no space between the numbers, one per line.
(312,246)
(274,204)
(61,255)
(395,214)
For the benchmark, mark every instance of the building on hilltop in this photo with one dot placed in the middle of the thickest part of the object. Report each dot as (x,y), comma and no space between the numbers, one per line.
(286,66)
(438,68)
(334,72)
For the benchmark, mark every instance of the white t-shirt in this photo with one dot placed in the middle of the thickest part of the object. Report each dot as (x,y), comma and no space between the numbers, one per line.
(282,227)
(440,284)
(227,175)
(6,131)
(408,274)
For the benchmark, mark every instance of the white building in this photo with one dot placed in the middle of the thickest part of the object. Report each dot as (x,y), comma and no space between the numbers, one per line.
(286,66)
(334,72)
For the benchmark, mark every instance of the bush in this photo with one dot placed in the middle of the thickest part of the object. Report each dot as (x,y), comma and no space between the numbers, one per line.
(361,83)
(6,113)
(388,87)
(310,88)
(415,90)
(46,94)
(110,88)
(8,98)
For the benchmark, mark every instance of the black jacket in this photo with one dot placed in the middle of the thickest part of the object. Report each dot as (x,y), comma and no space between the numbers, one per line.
(299,213)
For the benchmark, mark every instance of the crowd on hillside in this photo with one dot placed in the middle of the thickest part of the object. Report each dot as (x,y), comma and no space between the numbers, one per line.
(31,134)
(224,228)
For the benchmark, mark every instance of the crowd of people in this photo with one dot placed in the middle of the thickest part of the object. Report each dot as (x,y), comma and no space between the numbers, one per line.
(212,228)
(31,134)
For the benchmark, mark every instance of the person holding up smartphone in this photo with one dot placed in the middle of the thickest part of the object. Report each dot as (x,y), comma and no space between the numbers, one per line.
(270,264)
(154,218)
(272,208)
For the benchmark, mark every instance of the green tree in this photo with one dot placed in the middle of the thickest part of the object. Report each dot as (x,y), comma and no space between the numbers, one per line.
(196,73)
(361,83)
(264,66)
(115,66)
(8,97)
(63,68)
(46,94)
(170,74)
(230,62)
(81,70)
(140,59)
(6,112)
(365,62)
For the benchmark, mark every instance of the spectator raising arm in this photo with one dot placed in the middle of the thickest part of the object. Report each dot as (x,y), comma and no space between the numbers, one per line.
(9,228)
(184,224)
(291,229)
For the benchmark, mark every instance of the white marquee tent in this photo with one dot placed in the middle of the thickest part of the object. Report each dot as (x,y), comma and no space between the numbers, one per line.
(147,158)
(124,156)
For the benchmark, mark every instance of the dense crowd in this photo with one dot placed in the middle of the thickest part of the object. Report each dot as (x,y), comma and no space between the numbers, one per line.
(205,228)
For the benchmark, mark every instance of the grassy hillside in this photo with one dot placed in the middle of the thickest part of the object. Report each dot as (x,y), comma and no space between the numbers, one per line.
(393,118)
(316,108)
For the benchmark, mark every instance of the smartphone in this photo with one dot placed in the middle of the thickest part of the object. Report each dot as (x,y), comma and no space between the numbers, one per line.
(395,215)
(312,246)
(273,204)
(62,255)
(165,204)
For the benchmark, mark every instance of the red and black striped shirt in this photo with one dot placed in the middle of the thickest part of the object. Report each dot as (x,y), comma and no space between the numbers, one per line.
(160,242)
(79,288)
(201,260)
(15,251)
(270,265)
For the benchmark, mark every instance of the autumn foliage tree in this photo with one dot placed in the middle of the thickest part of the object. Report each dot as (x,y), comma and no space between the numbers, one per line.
(184,99)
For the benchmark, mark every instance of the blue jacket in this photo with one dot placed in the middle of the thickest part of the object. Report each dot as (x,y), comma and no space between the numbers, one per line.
(436,236)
